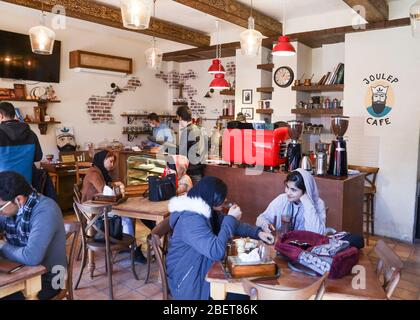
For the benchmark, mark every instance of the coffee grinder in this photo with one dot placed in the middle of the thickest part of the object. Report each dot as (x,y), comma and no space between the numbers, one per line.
(294,152)
(338,154)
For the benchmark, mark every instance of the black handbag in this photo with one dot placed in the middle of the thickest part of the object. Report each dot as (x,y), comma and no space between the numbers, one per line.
(115,228)
(161,189)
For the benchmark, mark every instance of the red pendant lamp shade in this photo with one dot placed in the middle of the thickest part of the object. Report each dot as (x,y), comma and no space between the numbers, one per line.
(216,67)
(283,47)
(219,82)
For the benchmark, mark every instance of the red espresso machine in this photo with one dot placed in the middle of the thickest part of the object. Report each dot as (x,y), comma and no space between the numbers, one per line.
(254,147)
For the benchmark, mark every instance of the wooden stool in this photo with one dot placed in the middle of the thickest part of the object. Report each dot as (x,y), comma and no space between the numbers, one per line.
(369,197)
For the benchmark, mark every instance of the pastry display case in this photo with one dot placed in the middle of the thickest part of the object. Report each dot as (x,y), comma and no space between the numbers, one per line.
(139,168)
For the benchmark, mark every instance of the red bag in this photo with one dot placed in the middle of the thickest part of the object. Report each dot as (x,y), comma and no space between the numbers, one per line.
(297,245)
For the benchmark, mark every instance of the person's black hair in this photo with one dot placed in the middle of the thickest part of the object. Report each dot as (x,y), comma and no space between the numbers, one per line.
(13,184)
(184,113)
(98,161)
(7,110)
(211,189)
(153,117)
(297,178)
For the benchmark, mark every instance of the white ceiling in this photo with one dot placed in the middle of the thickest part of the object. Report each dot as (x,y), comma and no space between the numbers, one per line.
(301,15)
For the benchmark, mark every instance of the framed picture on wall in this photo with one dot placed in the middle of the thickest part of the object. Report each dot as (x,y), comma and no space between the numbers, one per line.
(248,113)
(247,96)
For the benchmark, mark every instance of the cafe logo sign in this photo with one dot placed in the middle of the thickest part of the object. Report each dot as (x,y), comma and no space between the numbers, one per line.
(379,98)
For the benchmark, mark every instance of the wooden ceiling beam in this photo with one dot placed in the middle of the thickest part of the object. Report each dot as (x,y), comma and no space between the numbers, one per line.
(317,38)
(236,13)
(375,10)
(110,16)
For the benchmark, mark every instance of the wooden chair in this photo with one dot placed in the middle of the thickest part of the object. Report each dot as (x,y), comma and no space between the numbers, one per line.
(369,197)
(55,178)
(258,291)
(389,267)
(87,216)
(158,241)
(72,234)
(81,169)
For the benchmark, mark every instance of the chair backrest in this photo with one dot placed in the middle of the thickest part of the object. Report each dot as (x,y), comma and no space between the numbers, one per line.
(72,236)
(370,174)
(259,291)
(77,192)
(389,267)
(81,169)
(160,248)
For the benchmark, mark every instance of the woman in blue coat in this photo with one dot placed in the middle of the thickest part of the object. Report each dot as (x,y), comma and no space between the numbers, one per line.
(200,235)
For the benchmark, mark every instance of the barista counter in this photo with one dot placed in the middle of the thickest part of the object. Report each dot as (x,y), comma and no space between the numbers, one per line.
(343,196)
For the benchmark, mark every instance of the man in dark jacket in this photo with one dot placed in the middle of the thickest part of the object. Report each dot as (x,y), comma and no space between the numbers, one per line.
(19,145)
(192,144)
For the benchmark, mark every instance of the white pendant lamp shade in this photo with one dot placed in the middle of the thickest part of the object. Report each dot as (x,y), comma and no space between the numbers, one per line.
(153,57)
(251,39)
(415,19)
(136,13)
(42,38)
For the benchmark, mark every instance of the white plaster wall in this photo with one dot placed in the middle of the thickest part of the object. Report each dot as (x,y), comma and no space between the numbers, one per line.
(214,105)
(75,89)
(393,148)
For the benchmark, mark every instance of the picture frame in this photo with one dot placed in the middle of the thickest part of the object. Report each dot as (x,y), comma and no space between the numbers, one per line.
(247,96)
(248,113)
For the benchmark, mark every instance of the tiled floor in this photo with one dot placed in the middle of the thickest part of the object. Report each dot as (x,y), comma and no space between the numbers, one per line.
(127,288)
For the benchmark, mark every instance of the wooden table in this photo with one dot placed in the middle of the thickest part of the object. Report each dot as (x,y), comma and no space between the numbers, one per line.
(135,208)
(336,289)
(139,208)
(27,280)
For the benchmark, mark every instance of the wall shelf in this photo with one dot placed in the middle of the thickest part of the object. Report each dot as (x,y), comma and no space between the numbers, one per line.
(266,66)
(43,125)
(264,111)
(42,105)
(318,112)
(30,100)
(228,92)
(180,103)
(132,135)
(320,88)
(227,117)
(265,89)
(132,117)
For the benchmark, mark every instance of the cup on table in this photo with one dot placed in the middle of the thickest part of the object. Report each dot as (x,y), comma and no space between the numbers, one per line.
(240,245)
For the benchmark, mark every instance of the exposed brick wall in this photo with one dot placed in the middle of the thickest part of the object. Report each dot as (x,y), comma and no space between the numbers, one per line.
(99,108)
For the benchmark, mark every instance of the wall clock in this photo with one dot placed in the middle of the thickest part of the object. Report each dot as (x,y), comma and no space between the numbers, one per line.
(284,76)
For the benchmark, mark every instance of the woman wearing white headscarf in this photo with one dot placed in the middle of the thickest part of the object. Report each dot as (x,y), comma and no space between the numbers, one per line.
(300,204)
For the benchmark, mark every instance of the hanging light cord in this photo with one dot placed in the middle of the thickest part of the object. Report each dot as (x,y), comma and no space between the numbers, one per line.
(251,8)
(284,15)
(154,15)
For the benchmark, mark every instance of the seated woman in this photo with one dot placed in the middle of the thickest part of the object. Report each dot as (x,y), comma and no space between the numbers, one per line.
(200,235)
(178,164)
(300,205)
(97,177)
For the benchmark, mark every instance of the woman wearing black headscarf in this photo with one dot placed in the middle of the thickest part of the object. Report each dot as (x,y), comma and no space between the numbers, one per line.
(200,235)
(97,177)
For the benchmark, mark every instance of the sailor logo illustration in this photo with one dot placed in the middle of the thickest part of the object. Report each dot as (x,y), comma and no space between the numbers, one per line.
(379,98)
(379,108)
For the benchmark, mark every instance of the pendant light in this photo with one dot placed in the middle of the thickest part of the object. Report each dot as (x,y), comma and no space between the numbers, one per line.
(415,19)
(219,82)
(283,48)
(153,55)
(136,13)
(216,66)
(251,39)
(42,38)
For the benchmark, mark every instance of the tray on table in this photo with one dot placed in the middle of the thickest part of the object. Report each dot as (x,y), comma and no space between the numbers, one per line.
(236,268)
